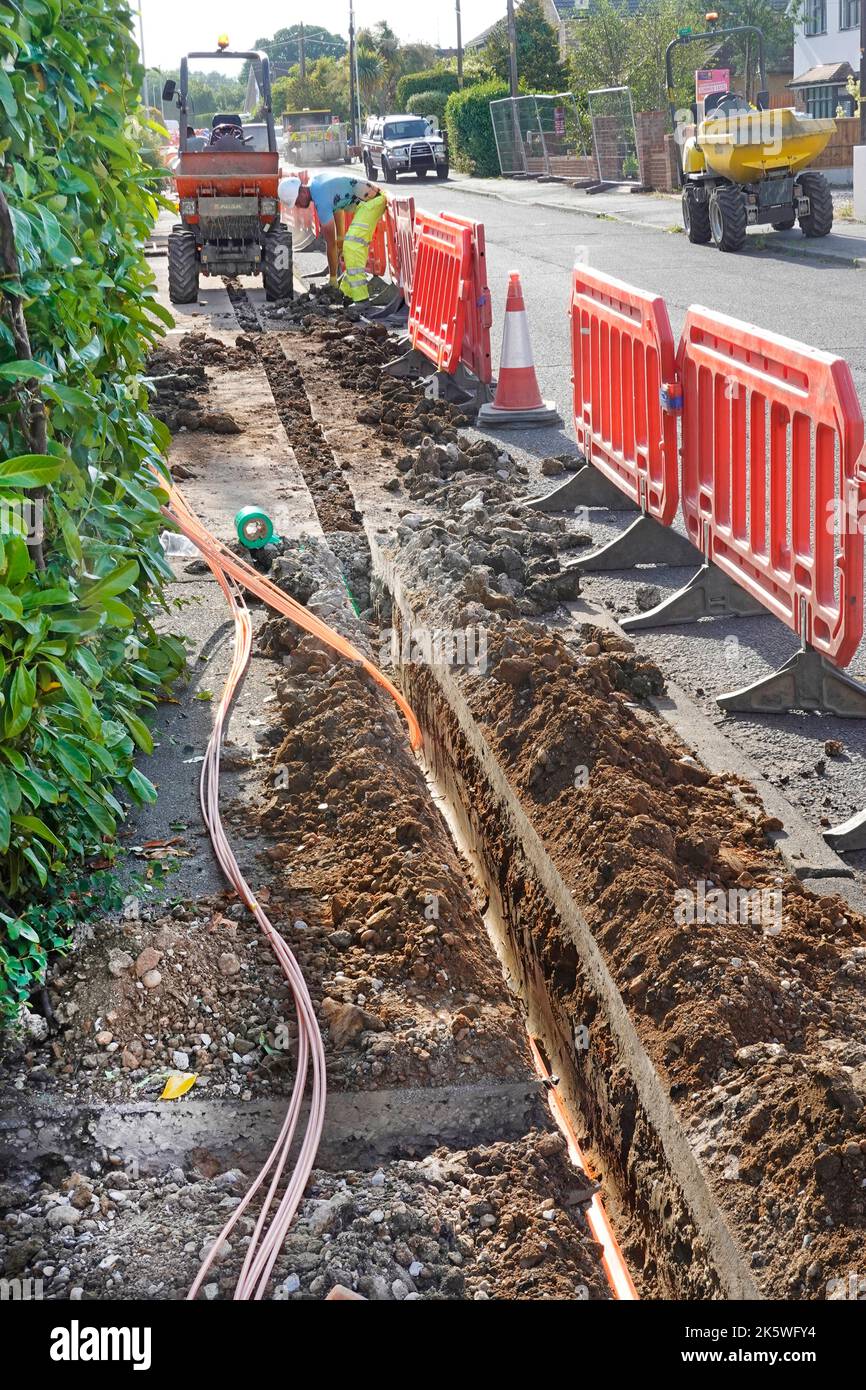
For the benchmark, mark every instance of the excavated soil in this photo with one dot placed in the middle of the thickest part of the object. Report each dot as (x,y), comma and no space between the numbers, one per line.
(398,947)
(503,1221)
(178,381)
(361,878)
(754,1017)
(756,1026)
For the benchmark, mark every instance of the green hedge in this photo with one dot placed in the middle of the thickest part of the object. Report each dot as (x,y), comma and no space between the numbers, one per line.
(432,80)
(430,104)
(470,130)
(80,661)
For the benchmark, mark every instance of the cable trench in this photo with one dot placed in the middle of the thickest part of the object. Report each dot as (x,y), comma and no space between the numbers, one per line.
(273,1221)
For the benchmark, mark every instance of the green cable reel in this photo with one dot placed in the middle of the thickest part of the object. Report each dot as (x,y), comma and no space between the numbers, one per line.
(254,528)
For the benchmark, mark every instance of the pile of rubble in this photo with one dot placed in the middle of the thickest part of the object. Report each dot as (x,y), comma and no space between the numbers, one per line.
(504,1221)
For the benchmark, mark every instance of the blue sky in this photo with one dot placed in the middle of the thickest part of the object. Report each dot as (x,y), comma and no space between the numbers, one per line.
(173,27)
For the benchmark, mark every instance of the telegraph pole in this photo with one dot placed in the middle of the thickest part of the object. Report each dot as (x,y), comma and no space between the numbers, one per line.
(459,49)
(512,49)
(353,123)
(302,54)
(145,85)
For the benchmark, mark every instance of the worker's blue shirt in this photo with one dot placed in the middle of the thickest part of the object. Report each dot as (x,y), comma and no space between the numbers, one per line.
(332,192)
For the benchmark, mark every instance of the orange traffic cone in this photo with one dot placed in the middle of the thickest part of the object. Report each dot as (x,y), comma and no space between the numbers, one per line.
(518,402)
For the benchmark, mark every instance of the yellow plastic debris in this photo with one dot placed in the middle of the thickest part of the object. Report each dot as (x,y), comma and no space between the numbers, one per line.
(178,1083)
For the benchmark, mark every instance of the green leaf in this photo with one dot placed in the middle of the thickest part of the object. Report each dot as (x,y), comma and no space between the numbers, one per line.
(18,561)
(35,826)
(23,690)
(141,788)
(73,762)
(38,788)
(68,395)
(121,578)
(118,613)
(10,789)
(27,370)
(36,862)
(30,470)
(139,730)
(11,608)
(75,689)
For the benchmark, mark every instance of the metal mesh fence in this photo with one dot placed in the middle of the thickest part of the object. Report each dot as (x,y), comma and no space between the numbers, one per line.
(542,136)
(614,137)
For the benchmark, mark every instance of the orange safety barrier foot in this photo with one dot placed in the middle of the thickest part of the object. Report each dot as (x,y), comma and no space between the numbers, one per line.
(808,681)
(710,594)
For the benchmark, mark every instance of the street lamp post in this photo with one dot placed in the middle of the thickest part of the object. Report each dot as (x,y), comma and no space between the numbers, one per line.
(352,73)
(512,48)
(145,90)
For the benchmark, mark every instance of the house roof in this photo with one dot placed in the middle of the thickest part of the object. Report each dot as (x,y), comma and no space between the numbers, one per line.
(480,39)
(825,74)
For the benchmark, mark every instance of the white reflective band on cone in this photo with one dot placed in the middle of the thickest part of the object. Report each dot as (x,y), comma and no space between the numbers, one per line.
(516,347)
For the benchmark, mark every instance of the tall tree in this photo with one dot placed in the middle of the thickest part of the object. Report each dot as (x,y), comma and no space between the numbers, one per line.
(325,87)
(776,25)
(539,66)
(285,47)
(613,47)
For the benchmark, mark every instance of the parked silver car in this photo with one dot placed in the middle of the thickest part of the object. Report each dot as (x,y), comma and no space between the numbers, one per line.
(403,145)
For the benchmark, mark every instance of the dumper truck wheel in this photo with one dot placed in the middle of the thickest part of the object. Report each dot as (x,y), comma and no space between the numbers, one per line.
(182,267)
(277,263)
(696,218)
(819,219)
(727,218)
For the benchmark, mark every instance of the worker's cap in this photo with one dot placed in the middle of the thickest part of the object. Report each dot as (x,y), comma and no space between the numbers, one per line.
(289,190)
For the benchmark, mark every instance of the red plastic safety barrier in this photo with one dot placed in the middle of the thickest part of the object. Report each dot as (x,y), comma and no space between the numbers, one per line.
(401,225)
(622,352)
(443,267)
(773,479)
(304,223)
(377,260)
(475,349)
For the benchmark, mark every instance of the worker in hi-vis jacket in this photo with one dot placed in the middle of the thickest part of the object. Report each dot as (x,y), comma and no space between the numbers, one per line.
(333,195)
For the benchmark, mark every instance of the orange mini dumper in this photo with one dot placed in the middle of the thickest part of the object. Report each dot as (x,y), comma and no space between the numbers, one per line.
(227,196)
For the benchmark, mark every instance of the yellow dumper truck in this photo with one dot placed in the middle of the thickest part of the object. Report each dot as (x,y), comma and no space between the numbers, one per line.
(748,164)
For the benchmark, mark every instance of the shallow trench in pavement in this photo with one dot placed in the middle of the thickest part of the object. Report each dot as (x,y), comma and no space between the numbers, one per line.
(713,1074)
(674,1239)
(741,1176)
(681,1239)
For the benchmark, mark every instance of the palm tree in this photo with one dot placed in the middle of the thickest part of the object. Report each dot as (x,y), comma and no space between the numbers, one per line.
(383,45)
(369,73)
